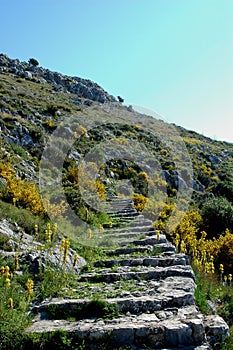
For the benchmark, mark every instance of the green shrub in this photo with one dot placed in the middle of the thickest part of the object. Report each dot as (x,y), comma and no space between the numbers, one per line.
(51,109)
(12,321)
(225,189)
(96,308)
(227,344)
(52,281)
(19,150)
(100,309)
(4,243)
(34,62)
(217,216)
(22,217)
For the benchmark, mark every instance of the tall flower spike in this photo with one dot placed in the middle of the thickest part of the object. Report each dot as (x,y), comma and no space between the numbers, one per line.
(221,268)
(230,278)
(7,271)
(89,233)
(8,282)
(48,234)
(212,267)
(16,262)
(66,249)
(62,246)
(36,229)
(10,303)
(30,286)
(55,228)
(75,259)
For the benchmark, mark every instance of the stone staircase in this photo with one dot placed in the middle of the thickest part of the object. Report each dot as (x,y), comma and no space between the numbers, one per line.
(152,286)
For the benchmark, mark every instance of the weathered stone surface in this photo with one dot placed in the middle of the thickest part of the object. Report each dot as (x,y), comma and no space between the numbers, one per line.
(28,249)
(177,333)
(146,273)
(144,330)
(19,239)
(146,241)
(176,259)
(216,328)
(37,261)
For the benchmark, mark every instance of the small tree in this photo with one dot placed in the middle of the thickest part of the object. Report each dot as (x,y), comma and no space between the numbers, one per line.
(120,99)
(33,62)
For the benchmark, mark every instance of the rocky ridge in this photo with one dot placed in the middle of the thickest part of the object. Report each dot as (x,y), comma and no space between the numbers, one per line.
(152,286)
(82,87)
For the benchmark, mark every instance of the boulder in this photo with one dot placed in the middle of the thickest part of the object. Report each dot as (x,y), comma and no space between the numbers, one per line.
(216,329)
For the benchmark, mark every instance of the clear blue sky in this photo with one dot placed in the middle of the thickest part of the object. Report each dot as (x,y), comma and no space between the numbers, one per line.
(172,56)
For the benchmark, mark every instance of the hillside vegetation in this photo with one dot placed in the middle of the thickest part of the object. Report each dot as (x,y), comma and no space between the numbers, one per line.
(181,180)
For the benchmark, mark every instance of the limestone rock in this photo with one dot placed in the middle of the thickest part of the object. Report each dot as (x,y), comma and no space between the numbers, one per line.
(216,328)
(38,261)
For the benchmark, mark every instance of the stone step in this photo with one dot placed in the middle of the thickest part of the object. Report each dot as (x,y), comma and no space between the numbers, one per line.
(136,239)
(175,259)
(167,329)
(134,288)
(139,228)
(126,216)
(129,235)
(125,220)
(162,248)
(135,305)
(120,222)
(145,241)
(143,273)
(120,204)
(121,209)
(140,221)
(139,218)
(119,200)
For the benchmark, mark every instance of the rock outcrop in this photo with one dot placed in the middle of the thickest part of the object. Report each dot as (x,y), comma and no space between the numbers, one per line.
(82,87)
(29,251)
(152,287)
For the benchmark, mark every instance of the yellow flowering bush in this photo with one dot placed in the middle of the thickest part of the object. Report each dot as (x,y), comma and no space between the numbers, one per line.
(21,192)
(207,254)
(139,201)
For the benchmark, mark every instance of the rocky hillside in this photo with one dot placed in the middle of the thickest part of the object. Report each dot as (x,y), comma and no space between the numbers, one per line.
(34,100)
(104,209)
